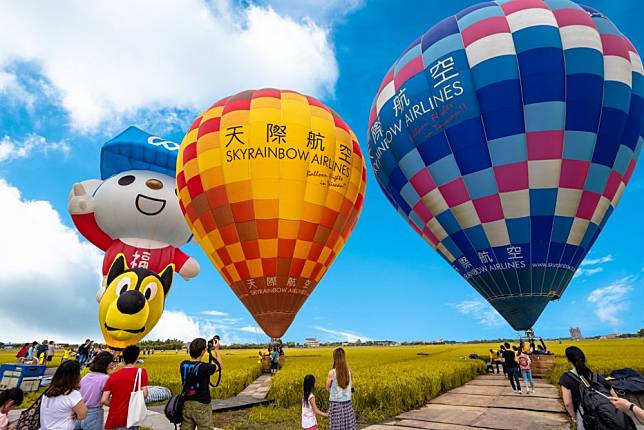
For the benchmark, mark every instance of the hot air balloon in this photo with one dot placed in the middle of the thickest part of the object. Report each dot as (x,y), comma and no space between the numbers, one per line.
(505,135)
(271,183)
(132,214)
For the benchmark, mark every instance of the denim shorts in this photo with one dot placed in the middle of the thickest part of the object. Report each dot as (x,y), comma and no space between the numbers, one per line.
(94,420)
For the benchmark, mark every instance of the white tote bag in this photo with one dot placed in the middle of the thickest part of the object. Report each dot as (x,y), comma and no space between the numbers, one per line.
(136,410)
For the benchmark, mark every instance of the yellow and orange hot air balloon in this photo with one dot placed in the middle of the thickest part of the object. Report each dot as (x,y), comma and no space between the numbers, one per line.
(271,183)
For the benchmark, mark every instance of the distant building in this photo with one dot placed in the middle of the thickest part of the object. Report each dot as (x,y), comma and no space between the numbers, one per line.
(311,342)
(575,333)
(384,342)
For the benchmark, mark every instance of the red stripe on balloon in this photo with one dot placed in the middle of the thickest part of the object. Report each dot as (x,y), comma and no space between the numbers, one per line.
(545,145)
(484,28)
(422,182)
(512,177)
(209,126)
(613,44)
(587,205)
(573,174)
(267,92)
(517,5)
(422,211)
(612,185)
(629,171)
(410,69)
(455,192)
(239,104)
(489,208)
(573,16)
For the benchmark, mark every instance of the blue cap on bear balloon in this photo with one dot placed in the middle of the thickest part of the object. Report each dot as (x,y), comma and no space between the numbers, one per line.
(134,149)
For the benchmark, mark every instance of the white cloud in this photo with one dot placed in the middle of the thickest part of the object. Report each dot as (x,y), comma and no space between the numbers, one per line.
(10,86)
(481,311)
(323,11)
(49,276)
(12,149)
(214,313)
(588,272)
(581,271)
(601,260)
(341,335)
(176,324)
(250,329)
(611,300)
(107,61)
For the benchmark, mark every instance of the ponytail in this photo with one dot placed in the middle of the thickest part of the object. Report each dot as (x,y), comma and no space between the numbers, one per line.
(577,358)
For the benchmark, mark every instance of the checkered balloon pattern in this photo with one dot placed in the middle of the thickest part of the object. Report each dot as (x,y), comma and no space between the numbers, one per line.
(505,135)
(271,183)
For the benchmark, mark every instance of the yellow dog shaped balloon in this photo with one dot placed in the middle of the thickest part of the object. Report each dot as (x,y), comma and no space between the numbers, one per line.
(132,303)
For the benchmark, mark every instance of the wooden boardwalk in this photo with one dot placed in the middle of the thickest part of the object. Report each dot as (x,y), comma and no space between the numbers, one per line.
(253,395)
(486,402)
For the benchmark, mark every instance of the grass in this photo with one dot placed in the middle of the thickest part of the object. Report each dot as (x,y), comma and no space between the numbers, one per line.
(388,380)
(603,355)
(241,367)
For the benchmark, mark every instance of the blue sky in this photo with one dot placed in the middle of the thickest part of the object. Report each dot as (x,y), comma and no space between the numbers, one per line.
(69,82)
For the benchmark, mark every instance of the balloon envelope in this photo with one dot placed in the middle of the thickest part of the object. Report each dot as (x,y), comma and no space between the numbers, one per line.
(505,136)
(271,183)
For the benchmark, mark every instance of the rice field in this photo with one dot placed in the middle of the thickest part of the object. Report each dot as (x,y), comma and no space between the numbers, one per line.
(387,380)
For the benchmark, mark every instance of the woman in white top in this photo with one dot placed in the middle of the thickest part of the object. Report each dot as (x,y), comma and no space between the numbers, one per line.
(309,408)
(339,384)
(62,403)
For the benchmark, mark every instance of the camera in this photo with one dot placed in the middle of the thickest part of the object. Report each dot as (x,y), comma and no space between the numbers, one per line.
(212,342)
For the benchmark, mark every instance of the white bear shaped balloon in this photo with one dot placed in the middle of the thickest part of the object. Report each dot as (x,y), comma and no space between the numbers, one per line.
(133,212)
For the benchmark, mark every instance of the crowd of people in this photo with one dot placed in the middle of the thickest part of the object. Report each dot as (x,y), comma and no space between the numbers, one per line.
(74,403)
(516,363)
(36,353)
(43,353)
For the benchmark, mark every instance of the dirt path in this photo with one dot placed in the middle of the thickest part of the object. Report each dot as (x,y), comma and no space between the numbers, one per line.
(486,402)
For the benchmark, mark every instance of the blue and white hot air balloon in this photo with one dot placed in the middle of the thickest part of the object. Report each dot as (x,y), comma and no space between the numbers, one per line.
(505,135)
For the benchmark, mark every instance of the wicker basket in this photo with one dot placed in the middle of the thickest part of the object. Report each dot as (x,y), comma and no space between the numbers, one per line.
(542,364)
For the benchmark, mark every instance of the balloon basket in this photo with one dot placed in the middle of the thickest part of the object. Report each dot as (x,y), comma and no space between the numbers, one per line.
(266,363)
(542,364)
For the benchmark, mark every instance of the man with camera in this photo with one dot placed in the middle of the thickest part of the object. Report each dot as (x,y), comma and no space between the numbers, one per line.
(195,379)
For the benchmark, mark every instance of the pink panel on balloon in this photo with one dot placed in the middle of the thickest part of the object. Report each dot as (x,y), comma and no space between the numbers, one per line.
(512,177)
(455,192)
(489,208)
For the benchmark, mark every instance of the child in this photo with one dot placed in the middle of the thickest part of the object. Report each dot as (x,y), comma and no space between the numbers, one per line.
(309,408)
(9,399)
(524,365)
(67,355)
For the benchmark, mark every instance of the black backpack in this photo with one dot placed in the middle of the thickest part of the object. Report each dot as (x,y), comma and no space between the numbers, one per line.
(597,412)
(174,408)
